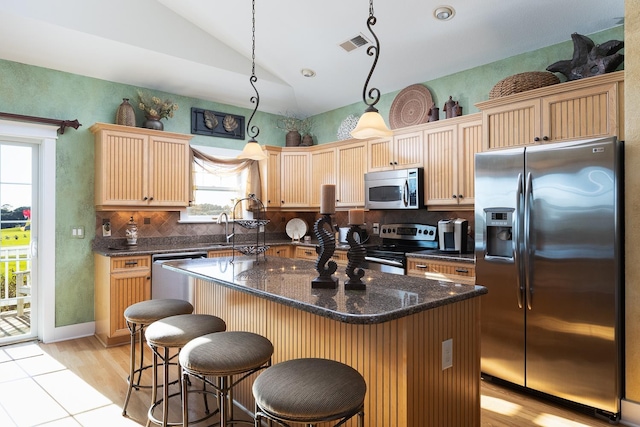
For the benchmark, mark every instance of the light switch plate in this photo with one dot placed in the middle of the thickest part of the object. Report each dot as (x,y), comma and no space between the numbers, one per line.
(447,354)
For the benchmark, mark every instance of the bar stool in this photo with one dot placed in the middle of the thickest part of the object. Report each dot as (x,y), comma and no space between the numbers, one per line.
(309,391)
(173,333)
(137,317)
(223,355)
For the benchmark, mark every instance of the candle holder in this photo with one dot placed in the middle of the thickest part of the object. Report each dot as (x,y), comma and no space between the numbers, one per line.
(355,254)
(325,250)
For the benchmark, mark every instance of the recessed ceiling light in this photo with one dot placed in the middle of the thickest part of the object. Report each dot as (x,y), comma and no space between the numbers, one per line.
(308,72)
(444,13)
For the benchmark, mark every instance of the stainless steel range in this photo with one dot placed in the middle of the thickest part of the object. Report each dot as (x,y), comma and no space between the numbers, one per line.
(397,240)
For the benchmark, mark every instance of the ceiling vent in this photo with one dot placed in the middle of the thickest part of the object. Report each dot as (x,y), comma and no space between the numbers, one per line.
(354,43)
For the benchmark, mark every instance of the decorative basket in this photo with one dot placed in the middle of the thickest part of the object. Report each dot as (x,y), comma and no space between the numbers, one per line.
(523,82)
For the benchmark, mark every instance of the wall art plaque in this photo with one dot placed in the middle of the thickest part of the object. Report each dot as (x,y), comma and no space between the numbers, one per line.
(214,123)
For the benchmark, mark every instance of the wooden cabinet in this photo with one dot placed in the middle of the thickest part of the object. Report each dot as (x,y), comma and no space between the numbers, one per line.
(449,271)
(309,253)
(586,108)
(140,168)
(352,165)
(217,253)
(281,251)
(323,171)
(294,179)
(119,282)
(403,150)
(270,175)
(450,162)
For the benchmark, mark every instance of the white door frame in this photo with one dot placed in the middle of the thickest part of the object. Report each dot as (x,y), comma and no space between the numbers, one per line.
(45,136)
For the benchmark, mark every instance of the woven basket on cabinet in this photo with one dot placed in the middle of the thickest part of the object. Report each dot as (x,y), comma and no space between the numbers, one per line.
(523,82)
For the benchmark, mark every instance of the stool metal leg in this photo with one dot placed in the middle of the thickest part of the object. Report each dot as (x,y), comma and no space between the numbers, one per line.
(135,330)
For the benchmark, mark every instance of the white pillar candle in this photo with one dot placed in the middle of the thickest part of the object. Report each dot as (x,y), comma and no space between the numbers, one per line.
(356,216)
(327,199)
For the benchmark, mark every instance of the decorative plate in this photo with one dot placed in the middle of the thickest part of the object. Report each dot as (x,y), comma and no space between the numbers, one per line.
(347,125)
(410,107)
(296,228)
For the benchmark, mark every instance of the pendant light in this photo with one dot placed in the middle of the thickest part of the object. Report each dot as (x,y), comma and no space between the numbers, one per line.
(371,124)
(252,149)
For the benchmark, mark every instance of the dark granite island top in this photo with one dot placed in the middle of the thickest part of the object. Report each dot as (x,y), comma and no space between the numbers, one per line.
(288,281)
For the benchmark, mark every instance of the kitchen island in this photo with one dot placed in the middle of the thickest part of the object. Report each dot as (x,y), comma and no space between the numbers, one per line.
(392,332)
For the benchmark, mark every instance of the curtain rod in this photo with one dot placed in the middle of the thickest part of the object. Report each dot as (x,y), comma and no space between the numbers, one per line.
(62,123)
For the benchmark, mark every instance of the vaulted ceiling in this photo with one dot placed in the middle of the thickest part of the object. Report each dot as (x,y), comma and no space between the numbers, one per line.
(202,48)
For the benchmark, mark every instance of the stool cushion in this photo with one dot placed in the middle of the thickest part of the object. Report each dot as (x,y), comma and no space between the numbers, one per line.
(307,390)
(226,353)
(176,331)
(146,312)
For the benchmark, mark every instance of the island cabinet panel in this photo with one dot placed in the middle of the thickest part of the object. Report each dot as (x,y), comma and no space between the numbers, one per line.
(400,359)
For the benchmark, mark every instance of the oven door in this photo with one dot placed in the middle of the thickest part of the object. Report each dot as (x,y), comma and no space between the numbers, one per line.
(384,265)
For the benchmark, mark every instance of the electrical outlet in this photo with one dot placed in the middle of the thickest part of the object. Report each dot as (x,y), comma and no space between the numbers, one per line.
(376,228)
(106,229)
(447,354)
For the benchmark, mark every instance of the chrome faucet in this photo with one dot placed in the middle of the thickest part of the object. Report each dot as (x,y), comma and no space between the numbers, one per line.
(226,225)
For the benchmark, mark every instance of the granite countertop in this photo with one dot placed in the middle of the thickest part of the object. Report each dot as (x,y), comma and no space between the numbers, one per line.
(118,249)
(288,281)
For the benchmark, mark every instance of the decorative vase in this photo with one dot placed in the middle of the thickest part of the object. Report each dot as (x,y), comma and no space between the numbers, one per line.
(153,123)
(293,138)
(307,140)
(132,232)
(125,115)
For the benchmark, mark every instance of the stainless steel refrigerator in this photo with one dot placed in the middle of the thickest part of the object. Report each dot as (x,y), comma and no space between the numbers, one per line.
(548,246)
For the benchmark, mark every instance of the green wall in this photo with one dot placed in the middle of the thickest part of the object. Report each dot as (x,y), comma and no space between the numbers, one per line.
(42,92)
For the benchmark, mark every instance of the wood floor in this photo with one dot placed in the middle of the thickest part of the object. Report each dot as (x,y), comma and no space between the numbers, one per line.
(86,385)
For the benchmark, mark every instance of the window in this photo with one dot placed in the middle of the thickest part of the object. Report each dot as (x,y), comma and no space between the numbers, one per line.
(214,193)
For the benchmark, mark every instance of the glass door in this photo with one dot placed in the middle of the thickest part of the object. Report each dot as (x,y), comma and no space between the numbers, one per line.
(18,234)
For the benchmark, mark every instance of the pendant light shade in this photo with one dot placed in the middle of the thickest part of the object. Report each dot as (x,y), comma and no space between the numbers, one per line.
(371,123)
(252,149)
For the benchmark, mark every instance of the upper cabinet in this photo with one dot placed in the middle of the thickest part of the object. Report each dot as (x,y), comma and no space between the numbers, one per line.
(405,149)
(270,175)
(352,165)
(323,171)
(294,179)
(586,108)
(140,168)
(450,162)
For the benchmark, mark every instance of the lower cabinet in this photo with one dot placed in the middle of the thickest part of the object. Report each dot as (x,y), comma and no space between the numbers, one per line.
(449,271)
(281,251)
(217,253)
(119,283)
(309,253)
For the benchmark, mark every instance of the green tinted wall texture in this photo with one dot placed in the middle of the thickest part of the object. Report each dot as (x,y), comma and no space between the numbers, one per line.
(467,87)
(42,92)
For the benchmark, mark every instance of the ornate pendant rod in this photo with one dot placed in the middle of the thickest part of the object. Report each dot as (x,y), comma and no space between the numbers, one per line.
(62,123)
(254,130)
(374,93)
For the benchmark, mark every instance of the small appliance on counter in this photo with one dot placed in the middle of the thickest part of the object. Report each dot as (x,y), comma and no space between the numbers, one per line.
(452,235)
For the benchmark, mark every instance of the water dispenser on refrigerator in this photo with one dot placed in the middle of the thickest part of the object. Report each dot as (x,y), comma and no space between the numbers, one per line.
(499,232)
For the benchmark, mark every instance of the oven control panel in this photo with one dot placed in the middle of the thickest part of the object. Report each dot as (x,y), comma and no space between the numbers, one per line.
(408,231)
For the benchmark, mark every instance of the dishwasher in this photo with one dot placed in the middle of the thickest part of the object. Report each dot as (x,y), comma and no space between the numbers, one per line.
(169,284)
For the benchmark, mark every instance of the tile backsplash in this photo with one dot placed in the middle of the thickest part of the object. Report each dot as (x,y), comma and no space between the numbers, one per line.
(166,224)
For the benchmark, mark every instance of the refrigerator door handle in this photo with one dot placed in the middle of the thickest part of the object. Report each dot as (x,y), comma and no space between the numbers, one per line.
(528,194)
(516,242)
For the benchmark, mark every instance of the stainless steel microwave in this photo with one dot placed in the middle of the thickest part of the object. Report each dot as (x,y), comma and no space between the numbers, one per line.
(395,189)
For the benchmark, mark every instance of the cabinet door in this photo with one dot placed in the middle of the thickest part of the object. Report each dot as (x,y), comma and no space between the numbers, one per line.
(512,125)
(469,143)
(380,154)
(271,179)
(121,169)
(305,252)
(294,180)
(408,150)
(281,251)
(352,165)
(169,171)
(323,171)
(441,169)
(586,113)
(441,270)
(126,289)
(220,253)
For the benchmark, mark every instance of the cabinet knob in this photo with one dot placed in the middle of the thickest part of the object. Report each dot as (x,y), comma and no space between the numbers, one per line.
(148,277)
(145,198)
(282,202)
(395,163)
(454,196)
(536,139)
(460,196)
(545,138)
(150,198)
(390,163)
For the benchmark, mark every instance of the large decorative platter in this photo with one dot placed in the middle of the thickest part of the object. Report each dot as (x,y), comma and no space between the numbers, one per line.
(410,107)
(296,228)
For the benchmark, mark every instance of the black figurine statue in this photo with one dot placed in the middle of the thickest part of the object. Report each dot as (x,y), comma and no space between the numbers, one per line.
(355,255)
(325,250)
